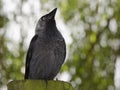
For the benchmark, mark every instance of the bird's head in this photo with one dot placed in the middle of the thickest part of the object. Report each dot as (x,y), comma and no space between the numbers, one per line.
(46,22)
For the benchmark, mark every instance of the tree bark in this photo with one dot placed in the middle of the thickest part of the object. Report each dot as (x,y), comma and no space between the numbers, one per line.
(39,85)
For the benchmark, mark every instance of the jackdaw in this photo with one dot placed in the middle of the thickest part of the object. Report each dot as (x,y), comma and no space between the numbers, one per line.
(47,50)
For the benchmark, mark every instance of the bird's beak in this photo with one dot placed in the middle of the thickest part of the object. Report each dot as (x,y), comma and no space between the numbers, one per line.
(51,15)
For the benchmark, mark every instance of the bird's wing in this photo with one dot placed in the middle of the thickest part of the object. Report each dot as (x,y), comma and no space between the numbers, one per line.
(29,55)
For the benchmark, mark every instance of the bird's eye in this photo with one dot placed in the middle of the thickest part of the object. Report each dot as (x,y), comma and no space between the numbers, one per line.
(43,18)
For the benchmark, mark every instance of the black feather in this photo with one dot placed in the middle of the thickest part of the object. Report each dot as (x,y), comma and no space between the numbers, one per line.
(47,50)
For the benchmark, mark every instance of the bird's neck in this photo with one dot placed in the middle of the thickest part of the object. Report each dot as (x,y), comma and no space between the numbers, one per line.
(48,34)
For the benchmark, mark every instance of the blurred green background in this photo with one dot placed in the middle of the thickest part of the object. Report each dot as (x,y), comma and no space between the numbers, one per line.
(93,43)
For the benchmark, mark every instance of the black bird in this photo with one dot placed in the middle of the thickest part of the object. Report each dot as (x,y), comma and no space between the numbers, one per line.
(47,50)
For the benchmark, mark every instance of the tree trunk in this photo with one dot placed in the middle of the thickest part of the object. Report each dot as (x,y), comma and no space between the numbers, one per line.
(39,85)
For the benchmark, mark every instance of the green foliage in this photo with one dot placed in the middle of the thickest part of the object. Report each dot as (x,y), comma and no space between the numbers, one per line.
(3,21)
(93,55)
